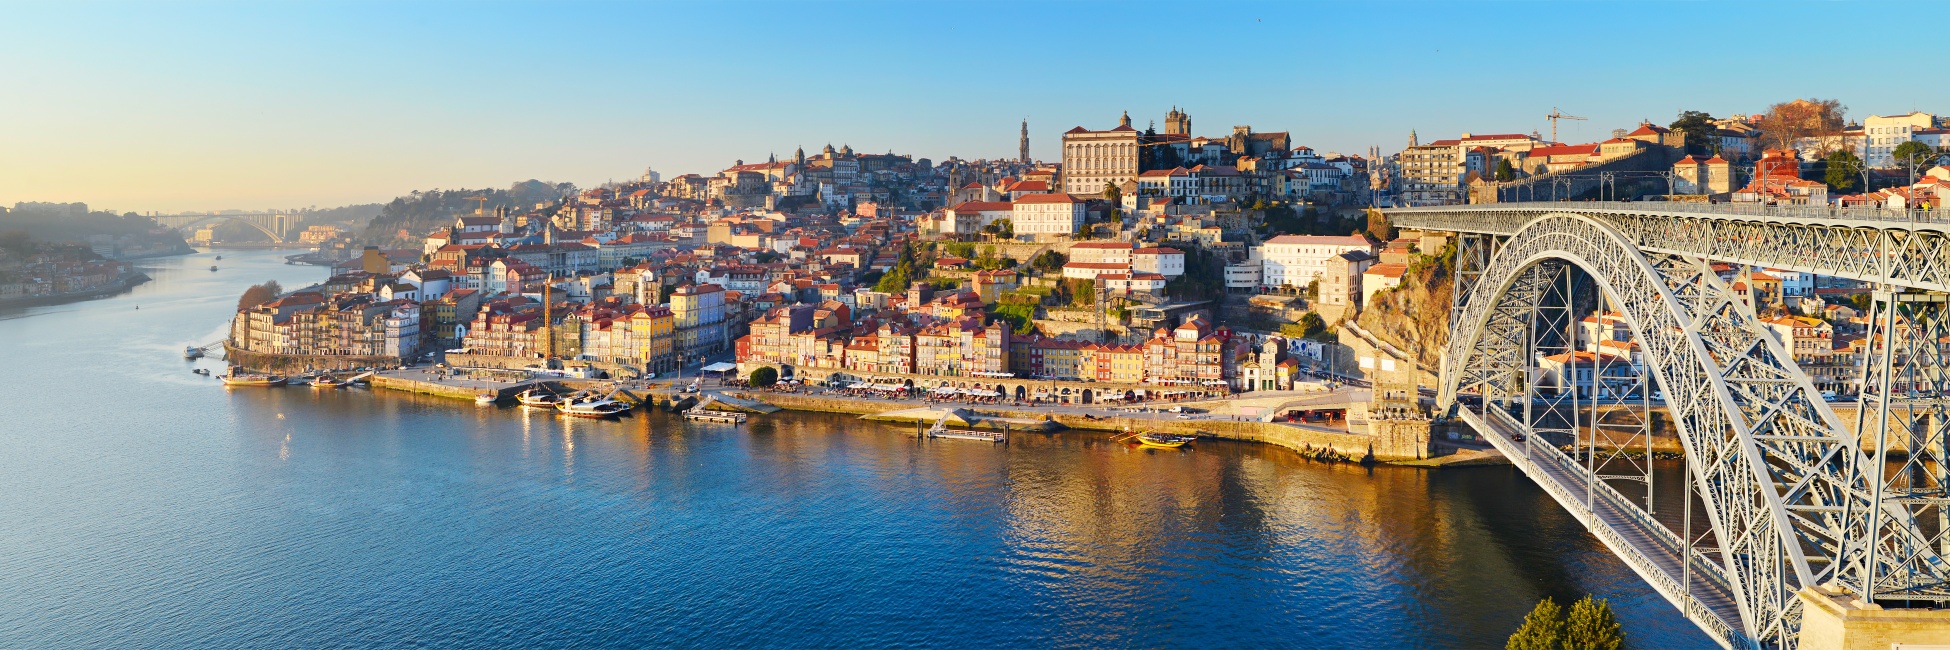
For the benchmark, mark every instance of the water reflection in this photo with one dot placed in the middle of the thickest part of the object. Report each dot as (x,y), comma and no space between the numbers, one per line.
(192,516)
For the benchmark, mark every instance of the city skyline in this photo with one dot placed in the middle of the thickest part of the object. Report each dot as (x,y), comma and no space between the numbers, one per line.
(144,107)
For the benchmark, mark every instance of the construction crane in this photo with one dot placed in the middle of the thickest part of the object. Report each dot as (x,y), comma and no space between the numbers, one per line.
(1554,117)
(482,208)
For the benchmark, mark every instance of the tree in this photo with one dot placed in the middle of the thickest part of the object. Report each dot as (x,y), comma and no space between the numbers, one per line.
(1379,228)
(765,376)
(1112,194)
(1914,155)
(1787,123)
(1050,261)
(259,294)
(1699,129)
(1505,172)
(1843,168)
(17,242)
(1311,324)
(1542,629)
(1591,626)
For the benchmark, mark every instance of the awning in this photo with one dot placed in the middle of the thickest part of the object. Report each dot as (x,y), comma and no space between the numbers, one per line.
(721,366)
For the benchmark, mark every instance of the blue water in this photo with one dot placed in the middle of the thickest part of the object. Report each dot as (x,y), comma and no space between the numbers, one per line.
(144,506)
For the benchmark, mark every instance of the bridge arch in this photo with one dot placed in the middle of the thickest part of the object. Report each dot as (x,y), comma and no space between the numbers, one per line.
(1776,468)
(274,235)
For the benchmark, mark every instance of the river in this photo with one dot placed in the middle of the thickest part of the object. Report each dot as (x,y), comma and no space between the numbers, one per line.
(145,506)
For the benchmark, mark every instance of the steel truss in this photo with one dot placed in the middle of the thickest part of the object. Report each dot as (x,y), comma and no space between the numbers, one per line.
(1785,485)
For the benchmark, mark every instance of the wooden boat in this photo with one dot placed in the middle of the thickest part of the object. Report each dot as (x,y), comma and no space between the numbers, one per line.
(537,398)
(1162,440)
(251,379)
(707,415)
(486,399)
(327,382)
(591,407)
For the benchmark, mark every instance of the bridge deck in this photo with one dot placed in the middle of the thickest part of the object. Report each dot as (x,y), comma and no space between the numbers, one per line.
(1652,550)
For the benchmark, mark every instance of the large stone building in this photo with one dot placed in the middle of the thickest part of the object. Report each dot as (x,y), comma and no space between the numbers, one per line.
(1092,159)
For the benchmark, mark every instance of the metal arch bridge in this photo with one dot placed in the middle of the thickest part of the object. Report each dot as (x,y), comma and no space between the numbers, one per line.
(277,226)
(1792,495)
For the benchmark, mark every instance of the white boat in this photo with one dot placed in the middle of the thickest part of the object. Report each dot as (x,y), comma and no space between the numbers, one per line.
(591,407)
(537,398)
(192,352)
(486,399)
(326,381)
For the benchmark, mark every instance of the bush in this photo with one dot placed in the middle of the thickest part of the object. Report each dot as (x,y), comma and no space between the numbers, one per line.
(765,376)
(1589,626)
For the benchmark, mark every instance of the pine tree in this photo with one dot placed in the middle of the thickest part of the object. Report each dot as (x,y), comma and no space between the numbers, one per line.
(1543,628)
(1592,627)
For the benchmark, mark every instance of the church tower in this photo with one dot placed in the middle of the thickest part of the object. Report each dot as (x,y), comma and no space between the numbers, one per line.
(799,158)
(1412,140)
(1023,143)
(1125,120)
(1177,122)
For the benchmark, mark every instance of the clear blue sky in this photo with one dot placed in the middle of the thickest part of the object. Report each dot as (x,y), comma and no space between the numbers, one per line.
(174,106)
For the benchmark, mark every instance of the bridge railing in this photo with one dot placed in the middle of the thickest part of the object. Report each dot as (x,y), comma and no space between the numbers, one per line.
(1727,633)
(1739,209)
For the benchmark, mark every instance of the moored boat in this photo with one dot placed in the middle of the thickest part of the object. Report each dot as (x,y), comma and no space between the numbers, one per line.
(1162,440)
(537,398)
(252,379)
(213,267)
(192,352)
(326,381)
(591,407)
(486,399)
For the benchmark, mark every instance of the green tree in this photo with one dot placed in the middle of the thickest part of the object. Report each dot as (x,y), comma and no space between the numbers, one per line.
(1914,154)
(259,294)
(1311,324)
(1699,129)
(1050,261)
(1112,194)
(1505,172)
(1843,168)
(1591,626)
(1083,231)
(1542,629)
(765,376)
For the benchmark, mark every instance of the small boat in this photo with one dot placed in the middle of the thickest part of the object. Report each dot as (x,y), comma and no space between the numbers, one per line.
(1162,440)
(326,381)
(591,407)
(537,398)
(213,267)
(219,258)
(486,399)
(252,379)
(202,371)
(192,352)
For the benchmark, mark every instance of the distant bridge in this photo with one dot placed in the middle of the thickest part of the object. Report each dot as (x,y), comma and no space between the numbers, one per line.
(1793,497)
(279,227)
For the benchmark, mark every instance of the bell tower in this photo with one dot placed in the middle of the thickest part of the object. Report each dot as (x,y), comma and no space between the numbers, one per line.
(1023,143)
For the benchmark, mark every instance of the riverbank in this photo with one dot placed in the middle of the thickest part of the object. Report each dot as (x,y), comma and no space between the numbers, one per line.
(125,283)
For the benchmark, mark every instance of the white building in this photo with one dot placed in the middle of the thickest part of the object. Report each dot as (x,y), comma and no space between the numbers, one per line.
(1168,262)
(1295,260)
(1092,159)
(1048,214)
(1093,270)
(1885,133)
(1101,252)
(970,217)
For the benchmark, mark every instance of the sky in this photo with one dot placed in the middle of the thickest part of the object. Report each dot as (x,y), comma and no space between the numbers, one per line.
(170,106)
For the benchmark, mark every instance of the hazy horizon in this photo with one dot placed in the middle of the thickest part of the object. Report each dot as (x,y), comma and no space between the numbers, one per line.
(145,107)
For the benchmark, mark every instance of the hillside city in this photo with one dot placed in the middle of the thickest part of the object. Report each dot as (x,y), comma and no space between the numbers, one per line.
(1158,261)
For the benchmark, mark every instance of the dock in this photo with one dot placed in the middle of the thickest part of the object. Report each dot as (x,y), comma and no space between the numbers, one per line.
(964,434)
(706,415)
